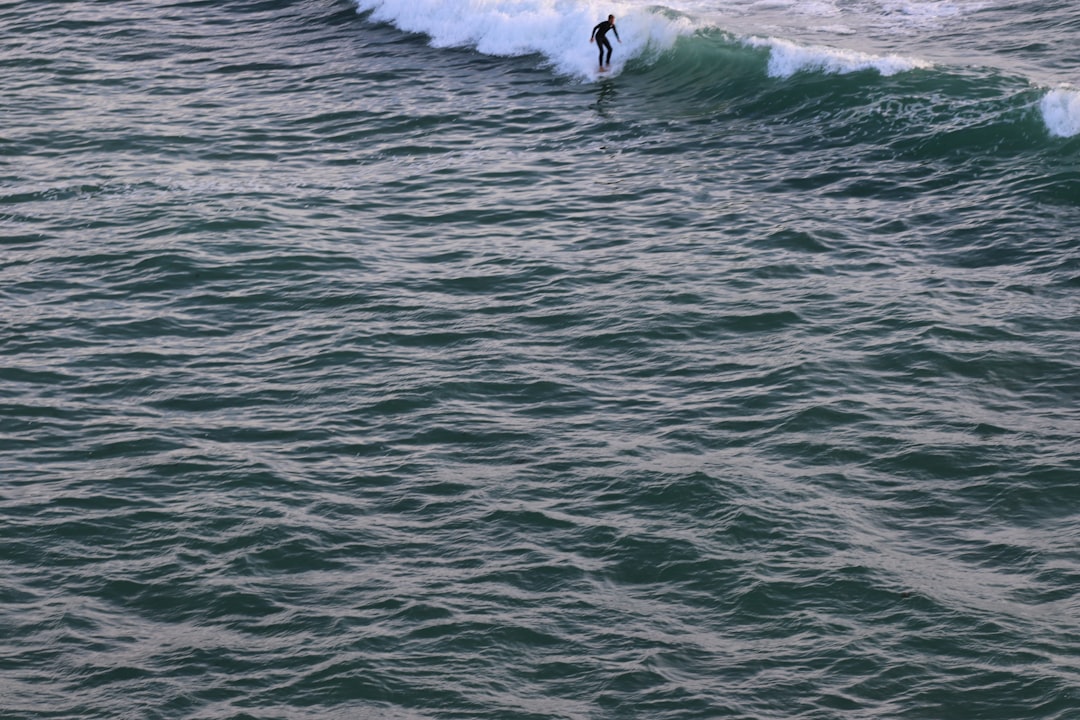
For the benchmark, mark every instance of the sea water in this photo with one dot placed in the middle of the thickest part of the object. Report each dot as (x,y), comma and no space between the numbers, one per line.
(383,359)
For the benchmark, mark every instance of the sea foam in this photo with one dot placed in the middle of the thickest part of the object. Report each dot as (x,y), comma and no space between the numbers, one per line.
(558,30)
(1061,112)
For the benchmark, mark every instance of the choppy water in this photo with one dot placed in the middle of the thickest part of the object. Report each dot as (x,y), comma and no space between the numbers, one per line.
(383,360)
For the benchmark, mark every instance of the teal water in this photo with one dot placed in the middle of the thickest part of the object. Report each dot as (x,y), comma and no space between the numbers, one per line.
(382,360)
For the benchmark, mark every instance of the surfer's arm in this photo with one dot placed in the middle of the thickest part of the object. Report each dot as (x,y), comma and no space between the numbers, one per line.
(592,36)
(616,33)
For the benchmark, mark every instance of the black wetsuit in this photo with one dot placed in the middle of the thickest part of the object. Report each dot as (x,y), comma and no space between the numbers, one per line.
(602,42)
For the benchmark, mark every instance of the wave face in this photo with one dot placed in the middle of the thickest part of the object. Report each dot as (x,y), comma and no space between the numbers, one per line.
(555,32)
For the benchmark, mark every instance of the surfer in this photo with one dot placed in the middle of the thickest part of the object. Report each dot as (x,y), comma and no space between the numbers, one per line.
(602,42)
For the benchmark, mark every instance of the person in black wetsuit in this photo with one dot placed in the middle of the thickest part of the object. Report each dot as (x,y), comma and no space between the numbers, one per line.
(602,42)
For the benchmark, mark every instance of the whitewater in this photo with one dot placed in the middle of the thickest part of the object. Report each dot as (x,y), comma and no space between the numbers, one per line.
(819,36)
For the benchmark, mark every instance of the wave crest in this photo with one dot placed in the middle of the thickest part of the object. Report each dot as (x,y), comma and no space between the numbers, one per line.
(786,58)
(1061,112)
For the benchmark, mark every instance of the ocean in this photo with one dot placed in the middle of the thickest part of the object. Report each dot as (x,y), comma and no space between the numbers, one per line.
(385,359)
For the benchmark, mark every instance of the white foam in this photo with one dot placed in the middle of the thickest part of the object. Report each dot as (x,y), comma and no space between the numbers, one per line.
(559,30)
(1061,112)
(787,58)
(556,29)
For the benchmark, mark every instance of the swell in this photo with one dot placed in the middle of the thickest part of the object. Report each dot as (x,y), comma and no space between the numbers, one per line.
(888,128)
(891,100)
(685,56)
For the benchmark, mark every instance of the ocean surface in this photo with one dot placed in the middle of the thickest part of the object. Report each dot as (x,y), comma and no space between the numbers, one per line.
(384,359)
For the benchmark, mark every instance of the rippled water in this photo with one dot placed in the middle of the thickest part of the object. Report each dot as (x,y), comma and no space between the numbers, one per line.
(383,362)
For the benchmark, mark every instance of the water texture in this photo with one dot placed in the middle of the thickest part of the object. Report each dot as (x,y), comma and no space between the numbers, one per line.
(383,359)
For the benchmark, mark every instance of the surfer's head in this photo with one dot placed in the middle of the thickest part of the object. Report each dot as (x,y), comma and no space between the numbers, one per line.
(611,18)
